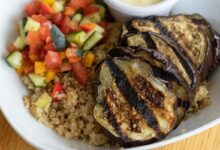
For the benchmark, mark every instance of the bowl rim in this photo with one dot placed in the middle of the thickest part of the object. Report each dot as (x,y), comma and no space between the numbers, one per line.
(129,9)
(34,143)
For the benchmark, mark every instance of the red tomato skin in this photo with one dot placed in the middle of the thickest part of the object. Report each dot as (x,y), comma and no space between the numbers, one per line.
(44,32)
(80,72)
(58,88)
(46,9)
(91,9)
(34,40)
(65,25)
(52,60)
(28,66)
(57,18)
(33,7)
(39,18)
(50,47)
(77,4)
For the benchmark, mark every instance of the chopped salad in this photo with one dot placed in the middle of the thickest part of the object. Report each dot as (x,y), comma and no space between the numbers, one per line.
(56,37)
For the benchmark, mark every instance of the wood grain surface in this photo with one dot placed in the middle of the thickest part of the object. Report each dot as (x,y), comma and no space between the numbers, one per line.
(208,140)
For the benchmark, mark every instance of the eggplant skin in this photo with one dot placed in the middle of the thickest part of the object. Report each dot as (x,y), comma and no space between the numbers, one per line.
(192,33)
(134,106)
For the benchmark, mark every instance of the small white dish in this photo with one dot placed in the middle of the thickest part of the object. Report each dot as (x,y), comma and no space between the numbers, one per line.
(122,11)
(41,137)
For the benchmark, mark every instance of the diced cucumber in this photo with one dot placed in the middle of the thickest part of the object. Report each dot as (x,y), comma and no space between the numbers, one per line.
(77,17)
(79,37)
(101,10)
(15,59)
(37,80)
(84,20)
(21,25)
(98,29)
(92,41)
(57,6)
(58,38)
(94,17)
(44,100)
(19,43)
(31,25)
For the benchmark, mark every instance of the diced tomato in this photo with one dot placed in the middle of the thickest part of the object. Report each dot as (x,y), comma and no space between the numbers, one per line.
(57,18)
(71,54)
(33,7)
(87,26)
(65,25)
(39,18)
(80,72)
(74,26)
(52,60)
(34,41)
(90,9)
(66,66)
(11,48)
(25,53)
(104,24)
(50,47)
(28,67)
(46,9)
(44,32)
(58,88)
(69,11)
(76,4)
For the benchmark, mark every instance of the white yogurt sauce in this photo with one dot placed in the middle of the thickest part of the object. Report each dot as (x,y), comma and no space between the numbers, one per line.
(140,2)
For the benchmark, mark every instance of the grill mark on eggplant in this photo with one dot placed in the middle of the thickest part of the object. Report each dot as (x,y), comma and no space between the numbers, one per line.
(169,69)
(204,69)
(156,98)
(168,38)
(112,120)
(191,69)
(132,98)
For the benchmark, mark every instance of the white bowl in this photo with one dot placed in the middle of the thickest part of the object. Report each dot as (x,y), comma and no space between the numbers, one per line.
(122,11)
(12,90)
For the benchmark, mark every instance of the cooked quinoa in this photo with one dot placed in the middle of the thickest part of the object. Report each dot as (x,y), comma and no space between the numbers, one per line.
(72,116)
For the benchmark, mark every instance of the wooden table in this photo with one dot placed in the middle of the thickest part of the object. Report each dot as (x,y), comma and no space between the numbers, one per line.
(208,140)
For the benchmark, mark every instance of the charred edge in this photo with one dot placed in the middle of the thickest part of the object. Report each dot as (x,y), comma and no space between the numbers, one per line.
(183,104)
(112,120)
(132,98)
(190,68)
(156,98)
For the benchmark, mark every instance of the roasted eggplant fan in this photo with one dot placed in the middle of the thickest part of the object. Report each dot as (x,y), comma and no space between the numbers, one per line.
(192,35)
(147,83)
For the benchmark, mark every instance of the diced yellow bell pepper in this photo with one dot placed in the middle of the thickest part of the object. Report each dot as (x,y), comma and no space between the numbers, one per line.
(62,55)
(39,67)
(49,2)
(88,59)
(50,75)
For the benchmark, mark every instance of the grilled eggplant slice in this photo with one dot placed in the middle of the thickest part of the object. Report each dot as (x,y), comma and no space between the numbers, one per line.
(164,69)
(191,33)
(133,105)
(162,44)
